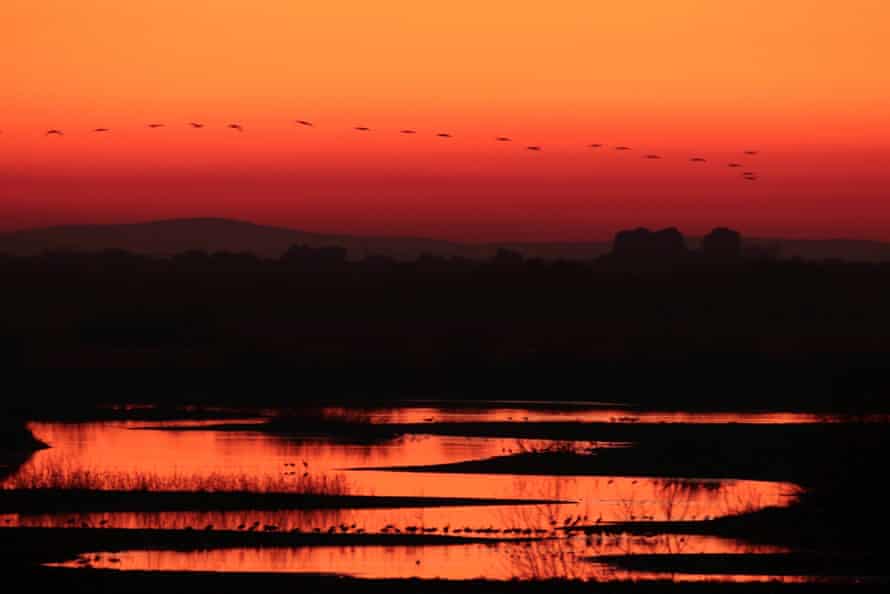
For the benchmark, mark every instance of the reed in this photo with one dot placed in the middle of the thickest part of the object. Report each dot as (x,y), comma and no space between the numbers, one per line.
(61,477)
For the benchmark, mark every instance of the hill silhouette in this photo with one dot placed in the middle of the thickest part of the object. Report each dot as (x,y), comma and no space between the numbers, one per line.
(169,237)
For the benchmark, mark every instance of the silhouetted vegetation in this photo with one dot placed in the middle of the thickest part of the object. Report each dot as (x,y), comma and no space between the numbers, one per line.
(61,478)
(712,330)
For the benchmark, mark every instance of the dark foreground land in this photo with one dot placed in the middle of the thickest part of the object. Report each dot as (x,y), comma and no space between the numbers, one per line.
(651,323)
(39,501)
(16,444)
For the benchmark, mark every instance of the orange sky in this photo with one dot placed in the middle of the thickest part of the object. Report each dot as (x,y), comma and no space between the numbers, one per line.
(805,82)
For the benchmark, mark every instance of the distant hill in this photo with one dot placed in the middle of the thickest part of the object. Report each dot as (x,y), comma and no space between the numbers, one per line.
(163,238)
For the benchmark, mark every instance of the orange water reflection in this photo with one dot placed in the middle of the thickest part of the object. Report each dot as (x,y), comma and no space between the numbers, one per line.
(577,412)
(561,558)
(103,448)
(121,447)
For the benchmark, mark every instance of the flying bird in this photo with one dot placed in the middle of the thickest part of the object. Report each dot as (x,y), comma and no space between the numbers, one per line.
(362,128)
(236,127)
(443,135)
(102,130)
(196,125)
(651,156)
(156,125)
(304,123)
(734,165)
(622,148)
(698,160)
(595,145)
(54,131)
(533,148)
(409,132)
(502,139)
(752,152)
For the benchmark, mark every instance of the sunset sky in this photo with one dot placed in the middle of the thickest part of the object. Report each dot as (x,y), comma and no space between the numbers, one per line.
(804,82)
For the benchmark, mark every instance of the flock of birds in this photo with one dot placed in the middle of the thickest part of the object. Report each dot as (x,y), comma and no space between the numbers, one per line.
(746,175)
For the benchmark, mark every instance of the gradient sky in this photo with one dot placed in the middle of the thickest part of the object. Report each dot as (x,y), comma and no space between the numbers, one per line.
(804,82)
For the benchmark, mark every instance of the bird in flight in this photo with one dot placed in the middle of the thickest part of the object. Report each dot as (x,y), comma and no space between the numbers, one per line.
(102,130)
(54,131)
(622,148)
(533,148)
(156,125)
(698,160)
(502,139)
(196,125)
(651,156)
(595,145)
(409,132)
(443,135)
(362,128)
(304,123)
(734,165)
(751,152)
(236,127)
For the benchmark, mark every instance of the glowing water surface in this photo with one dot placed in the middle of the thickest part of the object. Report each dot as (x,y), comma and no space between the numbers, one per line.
(105,449)
(565,558)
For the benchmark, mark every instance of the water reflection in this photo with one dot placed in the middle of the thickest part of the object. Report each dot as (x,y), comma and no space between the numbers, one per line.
(109,449)
(104,449)
(123,447)
(594,501)
(567,412)
(563,558)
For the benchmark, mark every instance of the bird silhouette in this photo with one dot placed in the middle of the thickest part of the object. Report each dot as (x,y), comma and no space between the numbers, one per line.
(443,135)
(236,127)
(651,156)
(156,125)
(503,139)
(734,165)
(622,148)
(409,132)
(698,159)
(54,131)
(749,152)
(101,130)
(595,145)
(533,148)
(196,125)
(362,128)
(304,123)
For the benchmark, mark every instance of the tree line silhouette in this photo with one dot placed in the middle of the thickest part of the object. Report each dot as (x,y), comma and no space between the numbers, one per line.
(652,321)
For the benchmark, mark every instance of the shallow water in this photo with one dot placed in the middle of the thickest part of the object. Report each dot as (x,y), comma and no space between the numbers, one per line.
(577,412)
(98,450)
(566,558)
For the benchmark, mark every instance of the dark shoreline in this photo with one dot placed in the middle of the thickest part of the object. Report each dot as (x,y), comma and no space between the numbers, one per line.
(53,545)
(39,501)
(138,582)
